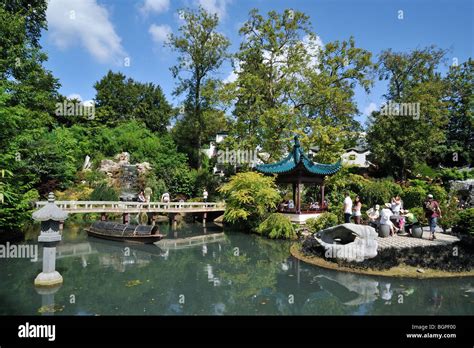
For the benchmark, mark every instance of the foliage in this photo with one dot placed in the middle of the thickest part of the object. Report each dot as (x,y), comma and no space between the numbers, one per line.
(249,197)
(460,128)
(379,192)
(322,222)
(415,194)
(201,51)
(465,223)
(450,214)
(103,192)
(288,83)
(120,99)
(277,226)
(412,78)
(183,182)
(420,215)
(79,193)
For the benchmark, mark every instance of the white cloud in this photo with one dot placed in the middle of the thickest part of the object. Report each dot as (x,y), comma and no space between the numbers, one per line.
(84,22)
(74,96)
(232,77)
(369,108)
(215,6)
(313,45)
(159,33)
(156,6)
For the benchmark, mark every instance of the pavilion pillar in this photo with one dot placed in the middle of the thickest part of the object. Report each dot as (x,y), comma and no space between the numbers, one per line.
(322,195)
(298,196)
(294,192)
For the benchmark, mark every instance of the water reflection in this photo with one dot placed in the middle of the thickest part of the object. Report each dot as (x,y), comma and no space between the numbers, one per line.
(236,274)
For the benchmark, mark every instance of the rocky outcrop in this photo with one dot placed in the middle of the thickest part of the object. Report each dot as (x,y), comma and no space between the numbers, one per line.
(349,242)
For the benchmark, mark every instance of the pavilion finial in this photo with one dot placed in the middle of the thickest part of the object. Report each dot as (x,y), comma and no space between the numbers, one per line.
(297,141)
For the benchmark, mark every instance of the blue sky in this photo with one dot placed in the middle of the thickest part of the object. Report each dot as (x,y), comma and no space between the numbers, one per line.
(86,38)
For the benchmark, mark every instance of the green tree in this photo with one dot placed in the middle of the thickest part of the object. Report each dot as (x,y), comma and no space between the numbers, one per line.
(288,83)
(201,51)
(460,129)
(401,143)
(119,99)
(249,198)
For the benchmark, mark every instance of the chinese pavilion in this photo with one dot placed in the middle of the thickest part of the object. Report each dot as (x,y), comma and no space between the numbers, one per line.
(298,169)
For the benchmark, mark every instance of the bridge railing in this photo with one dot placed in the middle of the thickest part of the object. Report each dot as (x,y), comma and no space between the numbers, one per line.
(110,205)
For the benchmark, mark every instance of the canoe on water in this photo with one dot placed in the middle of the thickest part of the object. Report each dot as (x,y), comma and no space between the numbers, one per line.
(141,234)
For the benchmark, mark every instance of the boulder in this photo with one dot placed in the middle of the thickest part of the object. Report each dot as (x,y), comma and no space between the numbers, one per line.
(348,242)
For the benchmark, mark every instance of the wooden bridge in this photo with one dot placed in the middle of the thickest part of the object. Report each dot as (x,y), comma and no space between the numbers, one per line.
(126,208)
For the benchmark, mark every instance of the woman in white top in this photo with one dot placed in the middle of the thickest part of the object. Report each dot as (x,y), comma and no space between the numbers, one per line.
(357,210)
(396,205)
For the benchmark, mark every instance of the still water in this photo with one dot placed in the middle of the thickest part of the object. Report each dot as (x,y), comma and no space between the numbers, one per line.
(235,274)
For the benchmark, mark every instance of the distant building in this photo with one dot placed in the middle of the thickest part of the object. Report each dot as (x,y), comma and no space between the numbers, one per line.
(357,155)
(212,150)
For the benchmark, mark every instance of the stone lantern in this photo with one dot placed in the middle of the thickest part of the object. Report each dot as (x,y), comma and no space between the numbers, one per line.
(51,217)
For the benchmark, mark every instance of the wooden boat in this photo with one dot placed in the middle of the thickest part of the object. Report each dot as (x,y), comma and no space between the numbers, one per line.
(141,234)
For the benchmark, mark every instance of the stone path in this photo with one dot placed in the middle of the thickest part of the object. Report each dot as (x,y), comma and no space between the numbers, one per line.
(401,242)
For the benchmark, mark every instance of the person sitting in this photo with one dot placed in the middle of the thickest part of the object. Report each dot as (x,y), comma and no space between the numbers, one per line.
(410,220)
(314,206)
(385,215)
(165,197)
(396,205)
(373,214)
(141,197)
(291,204)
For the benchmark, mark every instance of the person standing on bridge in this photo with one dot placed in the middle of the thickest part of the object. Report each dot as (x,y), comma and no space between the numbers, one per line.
(165,197)
(204,195)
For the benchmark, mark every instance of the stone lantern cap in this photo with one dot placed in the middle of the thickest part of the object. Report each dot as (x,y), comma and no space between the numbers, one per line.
(50,211)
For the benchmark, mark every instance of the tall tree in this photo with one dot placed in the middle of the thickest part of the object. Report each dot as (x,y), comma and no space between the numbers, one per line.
(401,140)
(460,129)
(288,82)
(119,99)
(202,50)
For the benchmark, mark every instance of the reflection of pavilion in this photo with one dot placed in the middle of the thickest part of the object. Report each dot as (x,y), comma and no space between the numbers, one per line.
(298,169)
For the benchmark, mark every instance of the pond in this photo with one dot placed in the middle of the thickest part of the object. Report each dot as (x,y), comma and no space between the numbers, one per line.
(235,274)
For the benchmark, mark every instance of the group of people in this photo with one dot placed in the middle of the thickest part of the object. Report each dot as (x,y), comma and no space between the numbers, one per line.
(145,196)
(393,212)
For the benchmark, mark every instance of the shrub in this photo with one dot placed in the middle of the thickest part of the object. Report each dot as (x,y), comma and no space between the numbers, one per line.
(420,215)
(413,196)
(379,192)
(450,214)
(277,226)
(249,197)
(104,193)
(465,222)
(322,222)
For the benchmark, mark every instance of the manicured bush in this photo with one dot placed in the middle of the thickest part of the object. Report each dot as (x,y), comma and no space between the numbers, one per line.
(465,222)
(277,226)
(323,221)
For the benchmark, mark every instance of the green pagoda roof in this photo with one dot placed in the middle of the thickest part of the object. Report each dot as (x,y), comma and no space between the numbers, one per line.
(298,158)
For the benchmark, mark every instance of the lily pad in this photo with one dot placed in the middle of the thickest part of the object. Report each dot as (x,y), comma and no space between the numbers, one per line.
(131,283)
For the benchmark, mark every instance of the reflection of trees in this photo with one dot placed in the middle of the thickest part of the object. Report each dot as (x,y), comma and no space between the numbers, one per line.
(216,281)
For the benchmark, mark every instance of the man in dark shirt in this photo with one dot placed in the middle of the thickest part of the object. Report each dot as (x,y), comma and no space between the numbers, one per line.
(432,212)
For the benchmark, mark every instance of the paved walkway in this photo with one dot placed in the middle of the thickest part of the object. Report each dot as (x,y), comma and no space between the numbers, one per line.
(401,242)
